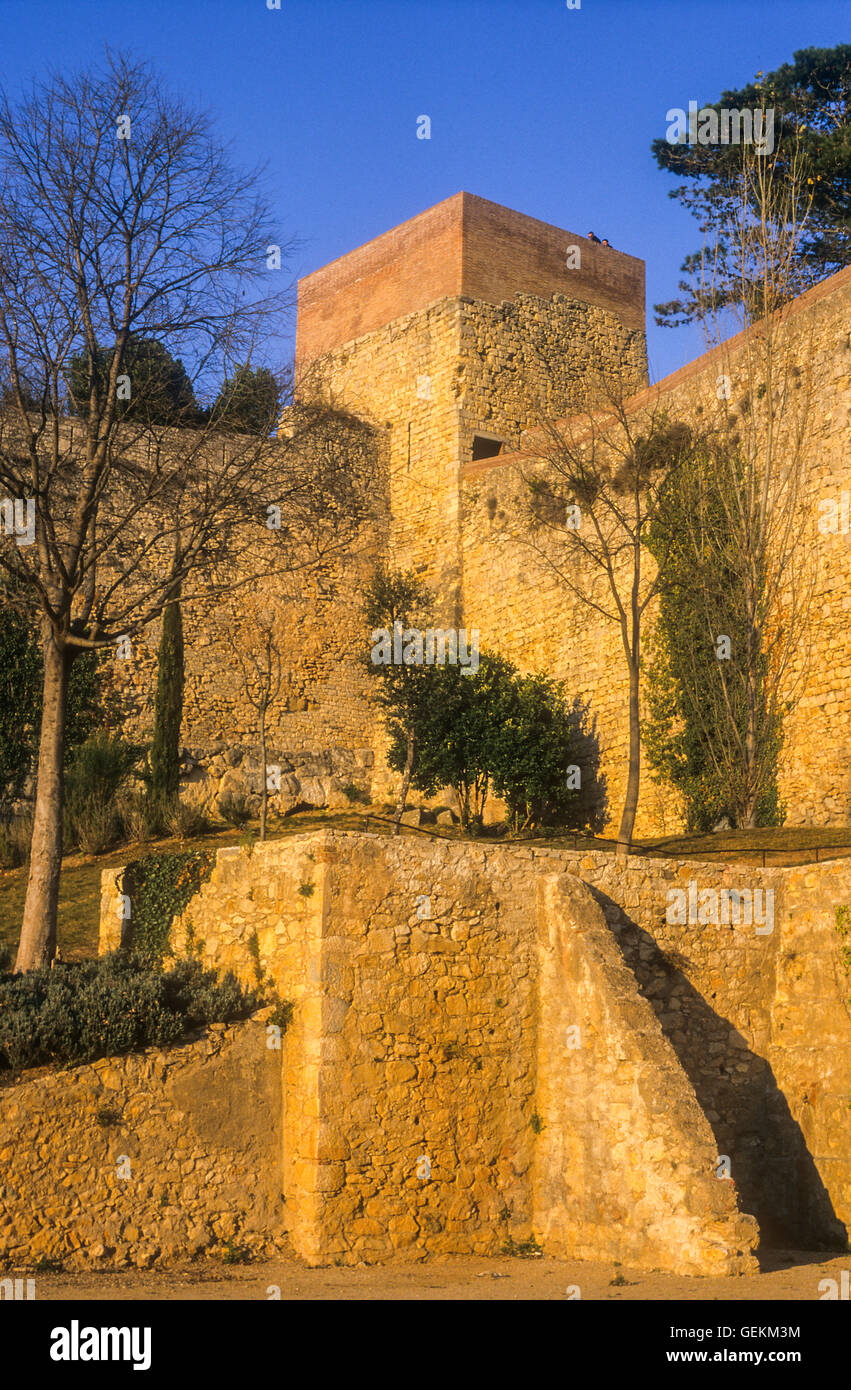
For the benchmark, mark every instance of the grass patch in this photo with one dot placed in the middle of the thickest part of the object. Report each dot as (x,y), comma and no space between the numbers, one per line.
(79,891)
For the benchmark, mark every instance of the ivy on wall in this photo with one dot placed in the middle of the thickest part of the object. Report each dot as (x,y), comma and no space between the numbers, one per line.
(160,887)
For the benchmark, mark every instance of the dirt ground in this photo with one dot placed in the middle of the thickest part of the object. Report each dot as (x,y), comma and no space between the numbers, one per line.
(787,1275)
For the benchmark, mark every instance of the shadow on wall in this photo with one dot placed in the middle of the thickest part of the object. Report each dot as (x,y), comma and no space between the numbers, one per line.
(776,1178)
(593,792)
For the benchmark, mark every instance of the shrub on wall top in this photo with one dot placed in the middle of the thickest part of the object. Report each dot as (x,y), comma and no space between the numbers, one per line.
(120,1003)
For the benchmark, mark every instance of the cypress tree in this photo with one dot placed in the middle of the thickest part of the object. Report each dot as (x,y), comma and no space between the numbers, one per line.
(168,708)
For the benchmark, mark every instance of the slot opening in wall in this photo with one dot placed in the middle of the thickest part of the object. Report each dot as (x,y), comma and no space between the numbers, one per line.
(486,447)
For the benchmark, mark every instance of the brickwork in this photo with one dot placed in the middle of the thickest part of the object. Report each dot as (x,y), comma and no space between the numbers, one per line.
(465,246)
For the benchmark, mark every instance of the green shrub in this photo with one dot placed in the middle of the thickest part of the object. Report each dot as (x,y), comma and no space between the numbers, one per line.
(183,821)
(168,708)
(159,887)
(94,826)
(282,1013)
(100,769)
(236,1254)
(140,820)
(15,837)
(120,1003)
(355,794)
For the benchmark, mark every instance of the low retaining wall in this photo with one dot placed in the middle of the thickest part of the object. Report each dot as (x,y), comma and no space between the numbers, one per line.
(414,969)
(147,1158)
(489,1045)
(625,1163)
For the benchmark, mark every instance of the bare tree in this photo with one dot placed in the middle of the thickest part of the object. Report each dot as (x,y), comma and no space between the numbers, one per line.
(592,498)
(121,218)
(257,641)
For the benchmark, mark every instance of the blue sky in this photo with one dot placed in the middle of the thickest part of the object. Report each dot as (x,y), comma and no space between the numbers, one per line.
(548,110)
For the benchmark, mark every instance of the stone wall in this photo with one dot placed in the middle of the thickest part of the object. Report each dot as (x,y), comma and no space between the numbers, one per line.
(476,326)
(524,611)
(151,1158)
(489,1045)
(625,1164)
(759,1020)
(429,1009)
(320,727)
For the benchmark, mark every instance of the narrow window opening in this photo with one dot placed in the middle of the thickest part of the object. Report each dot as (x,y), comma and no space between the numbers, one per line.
(484,448)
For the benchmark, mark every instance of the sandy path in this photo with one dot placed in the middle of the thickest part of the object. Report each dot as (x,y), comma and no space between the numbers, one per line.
(791,1275)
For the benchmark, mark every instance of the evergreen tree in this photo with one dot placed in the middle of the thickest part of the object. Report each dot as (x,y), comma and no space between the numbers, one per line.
(396,599)
(811,101)
(21,676)
(160,392)
(249,401)
(168,708)
(695,733)
(20,700)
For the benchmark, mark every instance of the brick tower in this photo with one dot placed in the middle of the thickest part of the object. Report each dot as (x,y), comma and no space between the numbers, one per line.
(448,333)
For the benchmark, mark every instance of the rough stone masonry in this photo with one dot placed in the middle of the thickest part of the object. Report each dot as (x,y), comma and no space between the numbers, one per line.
(492,1045)
(450,334)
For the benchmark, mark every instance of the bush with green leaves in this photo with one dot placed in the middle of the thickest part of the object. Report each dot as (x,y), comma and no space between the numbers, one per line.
(544,761)
(456,718)
(89,703)
(495,729)
(160,887)
(100,769)
(120,1003)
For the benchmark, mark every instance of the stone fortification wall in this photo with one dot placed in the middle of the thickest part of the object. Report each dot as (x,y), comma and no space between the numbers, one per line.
(523,611)
(462,322)
(436,378)
(320,729)
(464,246)
(428,1024)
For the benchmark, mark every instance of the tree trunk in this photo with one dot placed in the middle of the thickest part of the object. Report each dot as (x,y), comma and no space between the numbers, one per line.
(630,805)
(751,790)
(264,789)
(38,932)
(406,782)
